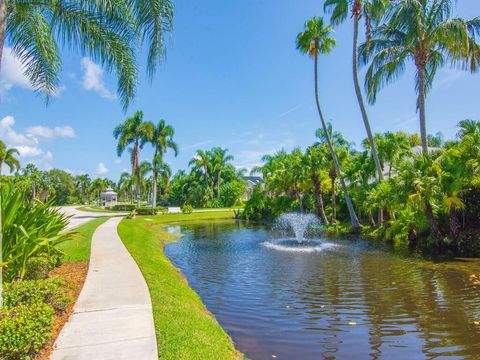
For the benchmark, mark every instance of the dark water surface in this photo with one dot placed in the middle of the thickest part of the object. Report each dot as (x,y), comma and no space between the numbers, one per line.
(346,300)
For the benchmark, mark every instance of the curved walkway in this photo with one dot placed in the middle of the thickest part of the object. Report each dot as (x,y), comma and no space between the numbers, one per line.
(80,217)
(112,317)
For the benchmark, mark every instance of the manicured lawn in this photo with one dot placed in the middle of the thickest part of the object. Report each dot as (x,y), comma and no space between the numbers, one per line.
(94,209)
(79,248)
(184,327)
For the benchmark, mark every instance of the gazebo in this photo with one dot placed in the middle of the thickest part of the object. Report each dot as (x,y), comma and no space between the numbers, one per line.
(108,197)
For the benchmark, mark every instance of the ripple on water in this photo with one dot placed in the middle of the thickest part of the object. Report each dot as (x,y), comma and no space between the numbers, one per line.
(292,245)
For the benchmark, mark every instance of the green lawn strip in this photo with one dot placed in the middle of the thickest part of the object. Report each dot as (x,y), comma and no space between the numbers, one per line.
(79,248)
(95,209)
(184,327)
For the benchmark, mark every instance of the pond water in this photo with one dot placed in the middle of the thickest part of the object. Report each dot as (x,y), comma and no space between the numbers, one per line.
(342,299)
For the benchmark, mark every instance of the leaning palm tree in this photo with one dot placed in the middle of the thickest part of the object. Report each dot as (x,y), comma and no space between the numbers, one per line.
(162,140)
(134,131)
(315,40)
(110,32)
(424,32)
(7,157)
(371,10)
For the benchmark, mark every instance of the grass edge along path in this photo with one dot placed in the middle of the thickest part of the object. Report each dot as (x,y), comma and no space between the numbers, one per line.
(185,329)
(78,249)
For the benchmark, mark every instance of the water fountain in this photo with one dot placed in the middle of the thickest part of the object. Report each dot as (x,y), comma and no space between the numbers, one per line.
(300,225)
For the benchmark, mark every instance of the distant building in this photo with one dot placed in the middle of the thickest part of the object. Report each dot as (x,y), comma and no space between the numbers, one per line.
(252,181)
(108,197)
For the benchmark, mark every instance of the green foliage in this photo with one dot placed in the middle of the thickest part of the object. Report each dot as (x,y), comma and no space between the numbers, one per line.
(24,330)
(28,292)
(39,267)
(187,209)
(146,211)
(30,229)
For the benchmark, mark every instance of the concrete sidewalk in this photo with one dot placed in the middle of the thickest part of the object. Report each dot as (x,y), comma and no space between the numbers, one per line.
(112,318)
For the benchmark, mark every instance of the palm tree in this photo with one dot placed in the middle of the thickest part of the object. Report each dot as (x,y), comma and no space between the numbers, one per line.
(424,32)
(7,157)
(315,162)
(108,32)
(202,162)
(96,187)
(162,140)
(219,160)
(82,182)
(163,173)
(315,40)
(145,168)
(126,185)
(134,131)
(371,10)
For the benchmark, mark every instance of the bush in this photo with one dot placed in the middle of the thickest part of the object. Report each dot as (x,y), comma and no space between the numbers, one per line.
(187,209)
(146,211)
(50,291)
(123,207)
(39,267)
(24,330)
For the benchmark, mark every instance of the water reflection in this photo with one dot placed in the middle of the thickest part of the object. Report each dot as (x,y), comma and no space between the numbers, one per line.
(352,301)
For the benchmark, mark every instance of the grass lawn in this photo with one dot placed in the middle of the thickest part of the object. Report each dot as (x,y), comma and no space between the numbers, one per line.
(79,248)
(184,327)
(95,209)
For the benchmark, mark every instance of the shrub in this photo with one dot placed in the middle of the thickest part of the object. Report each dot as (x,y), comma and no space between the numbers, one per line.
(24,330)
(50,291)
(187,209)
(146,211)
(39,267)
(123,207)
(31,228)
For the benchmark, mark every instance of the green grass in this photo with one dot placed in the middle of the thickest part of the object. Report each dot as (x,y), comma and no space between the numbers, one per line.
(184,327)
(95,209)
(79,248)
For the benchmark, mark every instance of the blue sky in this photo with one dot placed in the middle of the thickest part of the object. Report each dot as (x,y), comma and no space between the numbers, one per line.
(232,78)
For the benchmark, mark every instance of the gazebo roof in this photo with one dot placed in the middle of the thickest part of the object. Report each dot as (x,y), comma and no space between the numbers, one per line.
(109,192)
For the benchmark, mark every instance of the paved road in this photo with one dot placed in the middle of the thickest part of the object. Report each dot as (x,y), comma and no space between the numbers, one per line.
(80,217)
(112,317)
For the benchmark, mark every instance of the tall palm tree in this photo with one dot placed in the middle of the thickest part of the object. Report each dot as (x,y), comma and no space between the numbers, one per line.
(97,186)
(126,185)
(219,160)
(315,40)
(110,32)
(134,131)
(7,157)
(422,31)
(82,182)
(371,10)
(162,140)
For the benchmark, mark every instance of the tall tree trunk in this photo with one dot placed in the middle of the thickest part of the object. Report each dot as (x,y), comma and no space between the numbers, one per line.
(154,189)
(351,210)
(433,224)
(137,172)
(317,193)
(361,103)
(334,202)
(421,107)
(372,220)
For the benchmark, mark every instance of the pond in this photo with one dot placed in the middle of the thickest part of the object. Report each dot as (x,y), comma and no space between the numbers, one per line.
(344,299)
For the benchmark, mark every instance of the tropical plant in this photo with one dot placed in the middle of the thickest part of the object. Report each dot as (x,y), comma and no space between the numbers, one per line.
(219,160)
(7,157)
(134,131)
(315,40)
(422,31)
(162,140)
(371,11)
(109,32)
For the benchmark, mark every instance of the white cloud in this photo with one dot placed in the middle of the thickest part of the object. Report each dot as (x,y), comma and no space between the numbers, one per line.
(49,133)
(101,169)
(12,73)
(13,138)
(93,79)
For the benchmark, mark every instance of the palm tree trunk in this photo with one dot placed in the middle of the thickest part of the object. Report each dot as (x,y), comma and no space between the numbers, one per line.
(351,210)
(3,26)
(361,103)
(421,107)
(154,189)
(334,202)
(317,193)
(137,173)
